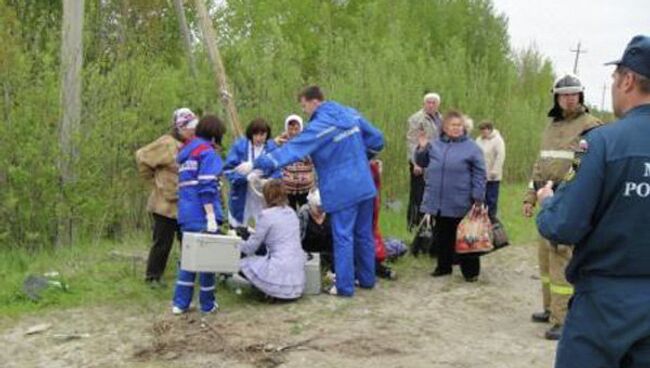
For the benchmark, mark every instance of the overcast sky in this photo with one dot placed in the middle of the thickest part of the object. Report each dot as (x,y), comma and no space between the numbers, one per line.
(603,27)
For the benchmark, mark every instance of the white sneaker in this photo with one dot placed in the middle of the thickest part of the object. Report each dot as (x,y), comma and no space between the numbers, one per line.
(177,311)
(333,291)
(214,309)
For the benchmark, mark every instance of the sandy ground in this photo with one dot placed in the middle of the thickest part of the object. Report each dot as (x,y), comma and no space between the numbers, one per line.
(416,321)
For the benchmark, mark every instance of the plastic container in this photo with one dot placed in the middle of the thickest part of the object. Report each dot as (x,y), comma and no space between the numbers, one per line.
(210,253)
(312,274)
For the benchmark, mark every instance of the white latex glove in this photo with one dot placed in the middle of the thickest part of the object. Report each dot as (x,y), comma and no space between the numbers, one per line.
(254,175)
(244,168)
(212,226)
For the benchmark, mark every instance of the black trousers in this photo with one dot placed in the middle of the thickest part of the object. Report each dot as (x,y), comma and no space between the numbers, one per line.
(413,215)
(470,265)
(164,229)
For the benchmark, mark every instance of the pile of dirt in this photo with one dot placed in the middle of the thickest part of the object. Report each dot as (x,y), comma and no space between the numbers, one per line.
(175,337)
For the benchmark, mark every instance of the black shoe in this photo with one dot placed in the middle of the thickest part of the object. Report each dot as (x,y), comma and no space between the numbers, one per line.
(385,272)
(554,333)
(541,317)
(438,273)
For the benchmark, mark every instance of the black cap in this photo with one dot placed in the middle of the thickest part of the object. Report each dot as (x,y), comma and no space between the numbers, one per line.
(636,56)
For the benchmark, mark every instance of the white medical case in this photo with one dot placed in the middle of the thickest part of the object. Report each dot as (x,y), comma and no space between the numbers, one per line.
(203,252)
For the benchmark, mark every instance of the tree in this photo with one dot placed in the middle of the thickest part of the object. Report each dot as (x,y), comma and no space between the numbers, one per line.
(187,39)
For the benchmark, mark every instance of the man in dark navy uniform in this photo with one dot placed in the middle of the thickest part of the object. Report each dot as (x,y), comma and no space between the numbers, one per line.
(604,208)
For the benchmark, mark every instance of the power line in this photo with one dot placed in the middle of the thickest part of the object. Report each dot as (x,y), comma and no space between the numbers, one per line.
(577,51)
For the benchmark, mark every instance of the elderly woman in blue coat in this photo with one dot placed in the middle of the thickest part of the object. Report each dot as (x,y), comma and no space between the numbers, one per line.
(244,204)
(338,139)
(454,181)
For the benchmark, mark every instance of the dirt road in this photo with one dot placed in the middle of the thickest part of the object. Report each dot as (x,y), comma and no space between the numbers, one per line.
(416,321)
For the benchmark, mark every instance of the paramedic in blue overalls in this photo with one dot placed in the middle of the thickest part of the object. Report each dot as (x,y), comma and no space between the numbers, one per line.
(338,139)
(604,209)
(199,203)
(244,204)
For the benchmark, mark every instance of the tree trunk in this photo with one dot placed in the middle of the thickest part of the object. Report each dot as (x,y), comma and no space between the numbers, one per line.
(221,81)
(71,64)
(185,33)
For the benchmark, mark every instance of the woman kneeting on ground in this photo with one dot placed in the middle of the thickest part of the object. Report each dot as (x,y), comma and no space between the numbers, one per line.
(455,180)
(281,273)
(199,203)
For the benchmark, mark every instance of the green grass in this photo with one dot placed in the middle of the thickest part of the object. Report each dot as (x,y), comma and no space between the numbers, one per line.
(521,230)
(93,274)
(95,277)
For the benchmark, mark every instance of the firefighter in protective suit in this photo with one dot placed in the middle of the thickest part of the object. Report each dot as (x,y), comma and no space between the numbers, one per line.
(560,150)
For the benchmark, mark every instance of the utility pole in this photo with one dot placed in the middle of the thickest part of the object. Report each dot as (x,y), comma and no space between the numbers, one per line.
(210,42)
(577,51)
(71,68)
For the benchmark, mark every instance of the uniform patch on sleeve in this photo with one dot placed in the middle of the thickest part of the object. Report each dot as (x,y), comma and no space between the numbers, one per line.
(583,145)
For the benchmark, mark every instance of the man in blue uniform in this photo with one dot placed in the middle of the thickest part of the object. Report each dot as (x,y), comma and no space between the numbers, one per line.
(604,208)
(338,140)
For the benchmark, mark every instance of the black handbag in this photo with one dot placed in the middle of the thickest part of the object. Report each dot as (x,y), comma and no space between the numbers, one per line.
(424,239)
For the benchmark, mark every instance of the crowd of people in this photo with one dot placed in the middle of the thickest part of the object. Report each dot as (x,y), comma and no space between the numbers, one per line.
(273,202)
(288,189)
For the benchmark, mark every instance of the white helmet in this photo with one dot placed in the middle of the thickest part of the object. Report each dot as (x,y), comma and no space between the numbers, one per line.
(567,84)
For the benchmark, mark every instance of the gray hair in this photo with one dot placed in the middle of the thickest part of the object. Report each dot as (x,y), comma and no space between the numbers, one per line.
(431,96)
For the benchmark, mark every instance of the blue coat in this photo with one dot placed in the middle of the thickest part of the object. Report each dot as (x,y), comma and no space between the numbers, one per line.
(454,176)
(605,208)
(238,184)
(198,184)
(338,139)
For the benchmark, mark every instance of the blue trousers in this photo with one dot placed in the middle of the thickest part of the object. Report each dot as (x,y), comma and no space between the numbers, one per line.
(354,247)
(185,284)
(185,288)
(492,198)
(608,325)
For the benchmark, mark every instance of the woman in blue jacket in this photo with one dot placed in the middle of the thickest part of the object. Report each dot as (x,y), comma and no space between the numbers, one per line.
(454,180)
(199,203)
(243,203)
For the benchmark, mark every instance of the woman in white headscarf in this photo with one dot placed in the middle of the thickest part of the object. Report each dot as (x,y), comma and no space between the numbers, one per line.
(298,178)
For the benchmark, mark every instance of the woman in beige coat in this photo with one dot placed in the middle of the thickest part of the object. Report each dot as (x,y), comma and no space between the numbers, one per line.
(494,151)
(157,166)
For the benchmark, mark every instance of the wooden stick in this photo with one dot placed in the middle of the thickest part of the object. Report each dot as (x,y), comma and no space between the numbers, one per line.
(209,40)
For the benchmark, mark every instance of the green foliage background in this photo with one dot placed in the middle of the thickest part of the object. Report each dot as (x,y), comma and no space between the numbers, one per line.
(379,56)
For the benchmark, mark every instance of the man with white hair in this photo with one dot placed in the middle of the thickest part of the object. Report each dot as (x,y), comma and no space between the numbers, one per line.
(427,120)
